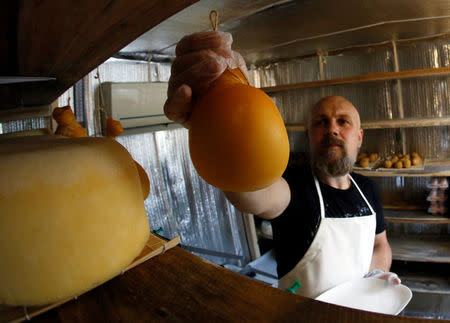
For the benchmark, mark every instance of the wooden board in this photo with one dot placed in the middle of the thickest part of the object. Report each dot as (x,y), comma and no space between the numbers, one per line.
(430,170)
(68,39)
(372,77)
(427,283)
(421,249)
(390,124)
(413,216)
(414,168)
(154,246)
(181,287)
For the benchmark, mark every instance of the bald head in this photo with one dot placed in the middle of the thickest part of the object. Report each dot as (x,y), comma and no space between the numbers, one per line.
(335,136)
(334,102)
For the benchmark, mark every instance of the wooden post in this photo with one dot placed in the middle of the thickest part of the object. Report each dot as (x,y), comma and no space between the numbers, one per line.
(400,97)
(252,238)
(321,71)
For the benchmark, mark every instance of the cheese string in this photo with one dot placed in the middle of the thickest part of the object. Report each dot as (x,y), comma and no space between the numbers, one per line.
(214,22)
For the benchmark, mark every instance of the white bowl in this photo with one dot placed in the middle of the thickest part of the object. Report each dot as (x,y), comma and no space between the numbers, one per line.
(369,294)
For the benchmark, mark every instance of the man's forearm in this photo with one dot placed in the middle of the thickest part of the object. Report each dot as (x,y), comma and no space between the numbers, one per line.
(382,257)
(267,203)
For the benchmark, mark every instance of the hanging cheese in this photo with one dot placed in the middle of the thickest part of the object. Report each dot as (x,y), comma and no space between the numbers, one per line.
(72,216)
(237,138)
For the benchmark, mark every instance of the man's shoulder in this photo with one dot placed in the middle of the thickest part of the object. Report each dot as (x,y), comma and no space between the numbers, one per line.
(363,182)
(297,172)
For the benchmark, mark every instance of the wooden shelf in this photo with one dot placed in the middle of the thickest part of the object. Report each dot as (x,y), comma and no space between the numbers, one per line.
(26,113)
(391,124)
(421,248)
(431,169)
(372,77)
(426,283)
(413,216)
(264,235)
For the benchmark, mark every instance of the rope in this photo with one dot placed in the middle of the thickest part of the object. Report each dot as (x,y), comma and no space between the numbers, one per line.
(214,19)
(98,120)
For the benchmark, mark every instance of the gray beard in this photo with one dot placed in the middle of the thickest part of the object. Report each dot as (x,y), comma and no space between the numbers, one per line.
(323,167)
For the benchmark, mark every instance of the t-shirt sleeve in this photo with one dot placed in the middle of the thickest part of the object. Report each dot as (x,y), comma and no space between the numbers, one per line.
(378,207)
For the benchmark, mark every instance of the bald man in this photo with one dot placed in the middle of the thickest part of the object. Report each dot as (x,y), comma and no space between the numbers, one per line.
(328,226)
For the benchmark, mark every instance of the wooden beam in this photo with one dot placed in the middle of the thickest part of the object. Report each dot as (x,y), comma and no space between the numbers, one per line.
(406,123)
(25,113)
(385,124)
(68,39)
(413,216)
(420,248)
(372,77)
(252,237)
(180,287)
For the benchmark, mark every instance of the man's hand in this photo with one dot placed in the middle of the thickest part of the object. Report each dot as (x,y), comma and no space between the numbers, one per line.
(391,277)
(201,59)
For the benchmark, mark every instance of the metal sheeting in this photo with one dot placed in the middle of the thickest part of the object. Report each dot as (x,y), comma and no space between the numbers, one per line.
(180,201)
(422,97)
(23,125)
(272,30)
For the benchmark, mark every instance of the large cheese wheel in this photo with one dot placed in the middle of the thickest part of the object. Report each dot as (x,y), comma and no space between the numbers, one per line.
(72,216)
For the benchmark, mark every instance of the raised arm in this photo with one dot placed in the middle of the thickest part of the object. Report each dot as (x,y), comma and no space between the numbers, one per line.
(200,59)
(267,203)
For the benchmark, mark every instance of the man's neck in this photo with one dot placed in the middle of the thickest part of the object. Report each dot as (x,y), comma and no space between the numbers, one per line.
(341,182)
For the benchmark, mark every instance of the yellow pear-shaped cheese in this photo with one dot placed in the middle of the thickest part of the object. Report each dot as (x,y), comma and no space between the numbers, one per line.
(71,216)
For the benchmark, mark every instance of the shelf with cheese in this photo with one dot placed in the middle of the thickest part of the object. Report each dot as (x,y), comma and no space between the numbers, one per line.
(432,168)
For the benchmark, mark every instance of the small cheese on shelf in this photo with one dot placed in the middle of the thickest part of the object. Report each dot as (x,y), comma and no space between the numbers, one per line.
(72,216)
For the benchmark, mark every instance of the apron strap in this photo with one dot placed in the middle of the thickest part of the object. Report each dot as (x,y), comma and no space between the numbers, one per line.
(363,196)
(322,207)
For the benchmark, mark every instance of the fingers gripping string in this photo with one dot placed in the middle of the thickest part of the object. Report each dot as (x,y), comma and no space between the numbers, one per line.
(214,19)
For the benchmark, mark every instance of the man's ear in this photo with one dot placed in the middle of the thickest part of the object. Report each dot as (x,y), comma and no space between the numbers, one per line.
(360,137)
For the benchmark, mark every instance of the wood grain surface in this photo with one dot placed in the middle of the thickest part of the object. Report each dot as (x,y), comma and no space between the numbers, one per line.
(180,287)
(371,77)
(67,39)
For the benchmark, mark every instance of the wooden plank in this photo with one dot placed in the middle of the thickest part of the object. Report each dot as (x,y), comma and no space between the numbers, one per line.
(427,283)
(389,124)
(252,237)
(413,216)
(180,287)
(154,247)
(8,37)
(420,248)
(406,123)
(26,113)
(68,39)
(431,169)
(425,173)
(371,77)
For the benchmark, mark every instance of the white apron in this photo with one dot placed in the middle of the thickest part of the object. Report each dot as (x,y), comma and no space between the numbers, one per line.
(341,250)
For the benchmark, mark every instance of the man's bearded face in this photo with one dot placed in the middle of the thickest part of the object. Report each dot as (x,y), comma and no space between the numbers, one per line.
(331,159)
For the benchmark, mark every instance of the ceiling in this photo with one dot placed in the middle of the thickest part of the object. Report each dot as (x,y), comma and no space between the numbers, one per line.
(265,30)
(65,40)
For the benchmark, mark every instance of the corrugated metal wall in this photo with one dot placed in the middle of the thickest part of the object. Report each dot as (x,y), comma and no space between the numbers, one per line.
(422,97)
(180,202)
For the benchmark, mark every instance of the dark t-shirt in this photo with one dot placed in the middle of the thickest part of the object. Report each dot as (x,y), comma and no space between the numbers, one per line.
(295,228)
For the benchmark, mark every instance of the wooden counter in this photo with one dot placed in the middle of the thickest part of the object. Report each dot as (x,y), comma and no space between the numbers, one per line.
(180,287)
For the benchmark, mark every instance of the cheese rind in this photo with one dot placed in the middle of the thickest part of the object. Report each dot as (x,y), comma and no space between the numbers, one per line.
(72,216)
